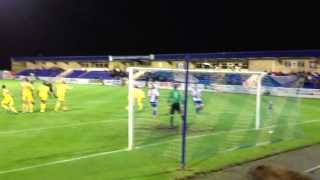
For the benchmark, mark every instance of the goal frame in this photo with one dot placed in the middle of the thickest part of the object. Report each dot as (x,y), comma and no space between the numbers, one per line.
(131,99)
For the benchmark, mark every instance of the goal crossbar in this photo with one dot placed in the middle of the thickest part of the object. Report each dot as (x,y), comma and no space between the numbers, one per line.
(196,70)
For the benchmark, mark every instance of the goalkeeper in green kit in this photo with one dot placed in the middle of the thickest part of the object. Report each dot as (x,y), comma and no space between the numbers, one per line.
(175,98)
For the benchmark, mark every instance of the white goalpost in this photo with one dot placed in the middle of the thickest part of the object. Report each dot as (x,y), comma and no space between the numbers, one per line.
(130,109)
(254,83)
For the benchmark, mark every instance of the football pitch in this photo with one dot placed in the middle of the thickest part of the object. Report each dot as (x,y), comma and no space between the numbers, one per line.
(90,140)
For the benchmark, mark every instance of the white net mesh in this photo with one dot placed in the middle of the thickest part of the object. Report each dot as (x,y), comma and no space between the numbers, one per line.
(224,111)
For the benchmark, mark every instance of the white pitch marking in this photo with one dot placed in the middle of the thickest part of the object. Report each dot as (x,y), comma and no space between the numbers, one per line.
(256,145)
(54,127)
(311,170)
(62,161)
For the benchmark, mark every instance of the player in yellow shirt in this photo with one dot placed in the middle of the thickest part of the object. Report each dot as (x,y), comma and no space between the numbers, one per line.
(138,95)
(7,102)
(27,96)
(43,93)
(61,90)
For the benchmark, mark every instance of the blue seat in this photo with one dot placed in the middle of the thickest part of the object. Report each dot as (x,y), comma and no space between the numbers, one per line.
(75,74)
(41,72)
(97,75)
(270,82)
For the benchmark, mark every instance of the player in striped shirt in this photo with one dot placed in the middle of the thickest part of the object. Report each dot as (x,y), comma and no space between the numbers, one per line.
(153,95)
(197,100)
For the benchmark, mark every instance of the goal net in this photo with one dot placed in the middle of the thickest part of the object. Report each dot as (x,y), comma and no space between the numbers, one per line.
(225,111)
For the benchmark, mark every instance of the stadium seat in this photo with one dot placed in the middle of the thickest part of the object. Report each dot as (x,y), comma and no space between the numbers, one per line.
(270,82)
(161,76)
(234,79)
(97,75)
(41,72)
(75,74)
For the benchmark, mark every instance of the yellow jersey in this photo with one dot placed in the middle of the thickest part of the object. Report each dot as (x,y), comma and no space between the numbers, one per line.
(138,93)
(43,91)
(6,94)
(7,98)
(27,88)
(61,89)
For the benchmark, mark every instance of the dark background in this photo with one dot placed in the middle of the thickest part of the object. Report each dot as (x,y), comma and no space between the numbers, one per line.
(91,27)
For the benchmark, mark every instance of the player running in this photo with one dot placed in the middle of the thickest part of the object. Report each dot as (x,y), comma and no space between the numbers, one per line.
(27,95)
(61,90)
(175,98)
(43,93)
(138,95)
(197,100)
(153,95)
(7,102)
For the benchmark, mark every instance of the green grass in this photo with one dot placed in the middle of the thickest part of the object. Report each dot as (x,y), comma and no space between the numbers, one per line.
(223,134)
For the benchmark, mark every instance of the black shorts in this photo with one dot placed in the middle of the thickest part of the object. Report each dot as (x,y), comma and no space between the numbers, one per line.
(175,107)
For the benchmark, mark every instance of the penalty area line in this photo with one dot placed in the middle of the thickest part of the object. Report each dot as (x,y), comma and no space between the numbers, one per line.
(53,127)
(62,161)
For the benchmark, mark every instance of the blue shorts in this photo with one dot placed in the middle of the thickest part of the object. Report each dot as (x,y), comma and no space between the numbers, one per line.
(198,102)
(154,104)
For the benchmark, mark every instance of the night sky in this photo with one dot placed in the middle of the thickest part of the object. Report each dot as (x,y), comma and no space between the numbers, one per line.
(91,27)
